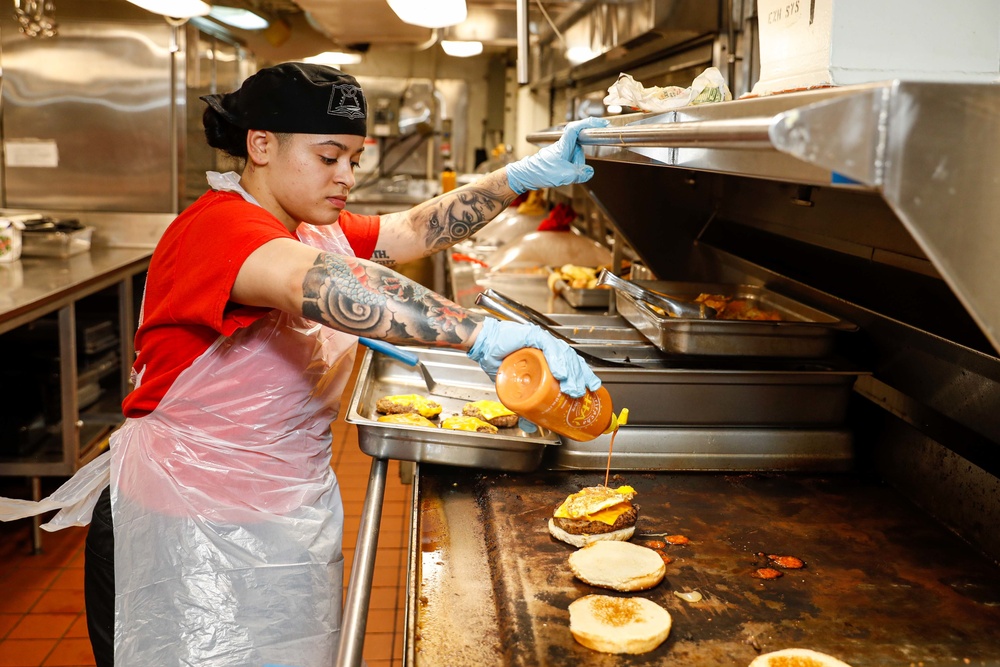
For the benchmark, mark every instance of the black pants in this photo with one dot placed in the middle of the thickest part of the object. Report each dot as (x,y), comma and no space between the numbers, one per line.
(99,582)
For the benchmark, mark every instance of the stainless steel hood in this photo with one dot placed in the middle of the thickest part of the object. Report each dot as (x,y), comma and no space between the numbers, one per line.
(909,142)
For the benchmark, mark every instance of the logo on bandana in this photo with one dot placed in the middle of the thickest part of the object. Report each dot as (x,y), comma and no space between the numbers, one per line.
(347,101)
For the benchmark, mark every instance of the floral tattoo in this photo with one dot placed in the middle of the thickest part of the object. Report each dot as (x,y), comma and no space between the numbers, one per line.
(363,298)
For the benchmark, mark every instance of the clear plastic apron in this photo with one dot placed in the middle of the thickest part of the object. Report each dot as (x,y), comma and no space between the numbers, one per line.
(228,519)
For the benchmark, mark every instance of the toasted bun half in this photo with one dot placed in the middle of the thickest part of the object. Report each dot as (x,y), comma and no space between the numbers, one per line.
(796,657)
(621,566)
(618,625)
(619,535)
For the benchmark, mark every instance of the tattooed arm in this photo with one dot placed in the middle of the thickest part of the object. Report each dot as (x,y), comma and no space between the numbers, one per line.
(352,295)
(443,221)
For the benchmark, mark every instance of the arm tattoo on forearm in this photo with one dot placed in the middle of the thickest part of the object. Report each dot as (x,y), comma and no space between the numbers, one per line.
(365,299)
(453,218)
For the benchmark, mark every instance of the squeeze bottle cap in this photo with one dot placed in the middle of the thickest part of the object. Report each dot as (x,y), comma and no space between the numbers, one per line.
(617,420)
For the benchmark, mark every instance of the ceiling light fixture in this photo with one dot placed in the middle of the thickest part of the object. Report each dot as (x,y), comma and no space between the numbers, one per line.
(236,17)
(178,9)
(577,55)
(334,58)
(436,14)
(461,49)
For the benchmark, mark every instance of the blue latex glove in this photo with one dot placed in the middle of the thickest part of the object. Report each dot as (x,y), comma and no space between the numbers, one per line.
(561,163)
(526,426)
(498,339)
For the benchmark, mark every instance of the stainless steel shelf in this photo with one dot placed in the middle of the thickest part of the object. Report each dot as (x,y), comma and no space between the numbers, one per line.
(928,149)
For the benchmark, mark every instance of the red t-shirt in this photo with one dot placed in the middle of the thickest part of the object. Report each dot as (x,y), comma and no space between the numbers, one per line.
(190,276)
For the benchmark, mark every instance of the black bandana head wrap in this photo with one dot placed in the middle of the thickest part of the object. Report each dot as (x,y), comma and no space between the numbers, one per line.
(299,98)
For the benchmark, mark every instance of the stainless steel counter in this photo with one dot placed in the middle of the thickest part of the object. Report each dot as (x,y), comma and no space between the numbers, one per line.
(35,286)
(31,288)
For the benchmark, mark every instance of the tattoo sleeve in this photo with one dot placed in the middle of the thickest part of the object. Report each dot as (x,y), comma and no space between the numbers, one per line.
(365,299)
(458,214)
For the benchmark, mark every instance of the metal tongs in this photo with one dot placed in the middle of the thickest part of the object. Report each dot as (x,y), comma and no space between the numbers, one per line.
(675,307)
(502,306)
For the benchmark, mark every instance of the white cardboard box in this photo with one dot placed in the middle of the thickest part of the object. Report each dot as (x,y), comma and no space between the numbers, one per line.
(810,43)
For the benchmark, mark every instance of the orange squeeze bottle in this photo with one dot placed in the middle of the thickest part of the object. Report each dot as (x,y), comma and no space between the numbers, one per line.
(526,385)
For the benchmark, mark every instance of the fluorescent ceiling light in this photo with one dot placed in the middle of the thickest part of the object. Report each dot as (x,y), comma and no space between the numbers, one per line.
(430,14)
(334,58)
(580,54)
(238,18)
(461,49)
(181,9)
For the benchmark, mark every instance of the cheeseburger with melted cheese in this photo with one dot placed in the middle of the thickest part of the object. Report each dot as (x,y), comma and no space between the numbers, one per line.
(595,513)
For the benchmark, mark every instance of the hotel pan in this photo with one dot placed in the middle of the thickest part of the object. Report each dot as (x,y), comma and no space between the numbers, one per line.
(582,297)
(733,393)
(803,332)
(511,449)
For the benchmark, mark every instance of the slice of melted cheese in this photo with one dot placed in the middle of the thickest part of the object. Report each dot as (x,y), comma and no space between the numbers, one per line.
(423,405)
(597,503)
(408,418)
(490,409)
(464,423)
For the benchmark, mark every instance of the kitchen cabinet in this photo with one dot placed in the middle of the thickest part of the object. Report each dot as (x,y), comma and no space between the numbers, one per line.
(41,294)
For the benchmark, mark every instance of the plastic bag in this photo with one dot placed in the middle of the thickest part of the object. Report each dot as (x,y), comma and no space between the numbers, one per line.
(708,87)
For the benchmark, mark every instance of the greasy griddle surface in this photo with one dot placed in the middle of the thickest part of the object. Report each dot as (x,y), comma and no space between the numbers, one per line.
(883,584)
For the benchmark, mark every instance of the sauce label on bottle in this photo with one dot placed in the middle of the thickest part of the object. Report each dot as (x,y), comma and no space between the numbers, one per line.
(584,411)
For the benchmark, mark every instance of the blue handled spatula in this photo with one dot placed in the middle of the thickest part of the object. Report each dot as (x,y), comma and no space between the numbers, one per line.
(433,387)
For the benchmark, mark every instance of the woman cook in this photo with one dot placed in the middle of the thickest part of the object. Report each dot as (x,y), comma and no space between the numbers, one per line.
(227,519)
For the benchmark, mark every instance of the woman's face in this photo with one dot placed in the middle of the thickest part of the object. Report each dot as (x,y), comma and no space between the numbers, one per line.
(310,175)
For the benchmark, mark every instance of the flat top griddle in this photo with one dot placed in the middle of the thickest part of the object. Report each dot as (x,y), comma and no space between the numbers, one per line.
(883,584)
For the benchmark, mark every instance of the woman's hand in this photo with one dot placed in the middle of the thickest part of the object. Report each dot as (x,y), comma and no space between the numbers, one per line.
(561,163)
(498,339)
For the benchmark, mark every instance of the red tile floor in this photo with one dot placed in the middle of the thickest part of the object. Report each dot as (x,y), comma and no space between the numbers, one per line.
(42,619)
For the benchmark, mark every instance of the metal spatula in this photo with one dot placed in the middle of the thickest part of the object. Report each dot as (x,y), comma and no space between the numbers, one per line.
(433,387)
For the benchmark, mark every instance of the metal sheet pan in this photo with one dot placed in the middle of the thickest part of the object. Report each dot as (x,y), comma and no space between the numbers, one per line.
(803,332)
(511,449)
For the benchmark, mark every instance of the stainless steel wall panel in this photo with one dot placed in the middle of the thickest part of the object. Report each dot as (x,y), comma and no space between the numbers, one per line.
(96,102)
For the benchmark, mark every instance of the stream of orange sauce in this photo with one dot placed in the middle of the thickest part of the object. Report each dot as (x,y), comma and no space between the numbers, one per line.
(611,447)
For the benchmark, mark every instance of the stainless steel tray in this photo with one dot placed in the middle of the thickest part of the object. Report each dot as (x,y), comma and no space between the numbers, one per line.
(580,297)
(803,332)
(742,392)
(710,449)
(670,390)
(511,449)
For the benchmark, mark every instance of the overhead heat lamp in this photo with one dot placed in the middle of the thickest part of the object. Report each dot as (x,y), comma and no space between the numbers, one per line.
(178,9)
(436,14)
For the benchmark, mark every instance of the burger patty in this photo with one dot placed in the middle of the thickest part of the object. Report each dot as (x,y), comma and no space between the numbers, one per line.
(585,527)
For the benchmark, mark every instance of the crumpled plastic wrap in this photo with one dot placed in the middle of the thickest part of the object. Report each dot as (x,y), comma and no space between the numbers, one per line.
(626,92)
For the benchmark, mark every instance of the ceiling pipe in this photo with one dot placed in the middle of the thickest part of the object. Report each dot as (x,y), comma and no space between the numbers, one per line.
(523,46)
